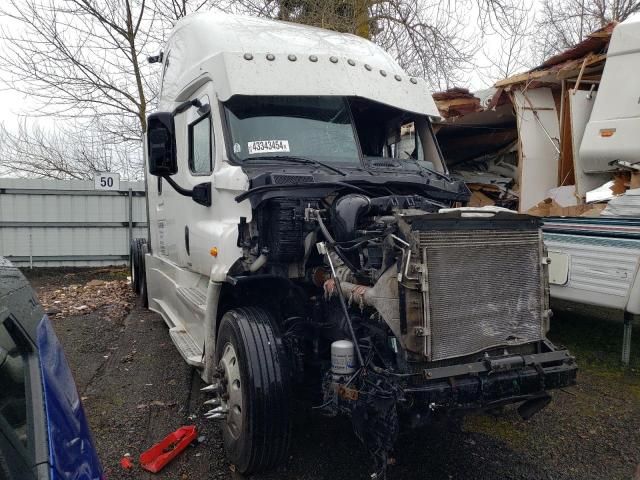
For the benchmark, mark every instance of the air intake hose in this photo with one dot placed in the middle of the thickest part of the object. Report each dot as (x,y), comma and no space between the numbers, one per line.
(346,212)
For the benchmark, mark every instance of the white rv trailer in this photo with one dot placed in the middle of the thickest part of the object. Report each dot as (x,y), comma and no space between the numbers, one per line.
(596,261)
(300,242)
(569,123)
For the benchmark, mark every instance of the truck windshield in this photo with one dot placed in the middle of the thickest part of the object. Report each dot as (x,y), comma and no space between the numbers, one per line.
(317,128)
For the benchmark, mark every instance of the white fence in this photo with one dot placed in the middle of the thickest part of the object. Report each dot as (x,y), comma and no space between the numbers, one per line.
(47,223)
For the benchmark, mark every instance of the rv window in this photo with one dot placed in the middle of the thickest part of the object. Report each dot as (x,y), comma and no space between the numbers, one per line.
(200,157)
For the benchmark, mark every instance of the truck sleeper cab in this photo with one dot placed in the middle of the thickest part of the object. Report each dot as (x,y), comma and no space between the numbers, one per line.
(304,237)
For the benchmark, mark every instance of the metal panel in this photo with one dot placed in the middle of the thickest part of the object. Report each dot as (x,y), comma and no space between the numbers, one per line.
(601,270)
(67,222)
(617,109)
(539,139)
(580,106)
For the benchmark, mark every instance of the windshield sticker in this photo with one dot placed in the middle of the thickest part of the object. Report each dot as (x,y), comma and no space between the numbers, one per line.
(237,148)
(268,146)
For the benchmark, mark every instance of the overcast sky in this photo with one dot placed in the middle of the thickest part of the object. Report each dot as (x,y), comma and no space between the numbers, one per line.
(12,104)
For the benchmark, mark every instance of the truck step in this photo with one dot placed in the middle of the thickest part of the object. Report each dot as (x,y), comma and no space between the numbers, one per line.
(188,348)
(194,298)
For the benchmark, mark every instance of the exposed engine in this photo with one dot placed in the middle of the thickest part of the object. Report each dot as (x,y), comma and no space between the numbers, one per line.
(390,297)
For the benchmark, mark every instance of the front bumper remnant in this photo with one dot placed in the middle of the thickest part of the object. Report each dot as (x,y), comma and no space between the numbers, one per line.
(494,381)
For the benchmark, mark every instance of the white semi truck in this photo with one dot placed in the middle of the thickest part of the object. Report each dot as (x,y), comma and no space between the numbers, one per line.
(304,241)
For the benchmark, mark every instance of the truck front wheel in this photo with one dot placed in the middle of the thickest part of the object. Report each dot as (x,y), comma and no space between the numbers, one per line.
(254,375)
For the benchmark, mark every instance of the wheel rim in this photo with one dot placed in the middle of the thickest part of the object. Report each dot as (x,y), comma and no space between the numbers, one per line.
(232,396)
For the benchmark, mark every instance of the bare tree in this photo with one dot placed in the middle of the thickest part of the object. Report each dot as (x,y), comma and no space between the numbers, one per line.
(176,9)
(81,58)
(86,59)
(511,52)
(168,12)
(429,38)
(71,151)
(563,23)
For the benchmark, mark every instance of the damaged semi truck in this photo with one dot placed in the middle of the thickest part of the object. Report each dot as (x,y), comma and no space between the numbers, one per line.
(304,240)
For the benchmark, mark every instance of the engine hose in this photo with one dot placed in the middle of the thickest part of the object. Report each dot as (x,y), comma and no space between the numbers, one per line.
(345,311)
(324,230)
(259,262)
(359,244)
(332,242)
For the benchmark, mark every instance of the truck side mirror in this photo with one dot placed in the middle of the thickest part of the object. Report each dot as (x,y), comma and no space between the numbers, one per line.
(161,144)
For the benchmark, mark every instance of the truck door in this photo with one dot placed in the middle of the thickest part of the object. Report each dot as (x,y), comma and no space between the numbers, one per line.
(183,231)
(195,226)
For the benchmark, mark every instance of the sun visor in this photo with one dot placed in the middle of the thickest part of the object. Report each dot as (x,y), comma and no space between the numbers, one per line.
(317,75)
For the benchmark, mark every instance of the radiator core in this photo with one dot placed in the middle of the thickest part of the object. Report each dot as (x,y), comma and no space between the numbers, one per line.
(485,289)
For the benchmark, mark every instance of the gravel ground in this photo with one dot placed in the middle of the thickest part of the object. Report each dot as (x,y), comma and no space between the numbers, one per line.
(136,389)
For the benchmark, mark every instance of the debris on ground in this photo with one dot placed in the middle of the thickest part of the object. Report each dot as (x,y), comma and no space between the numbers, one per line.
(627,205)
(550,208)
(159,455)
(126,463)
(115,296)
(556,444)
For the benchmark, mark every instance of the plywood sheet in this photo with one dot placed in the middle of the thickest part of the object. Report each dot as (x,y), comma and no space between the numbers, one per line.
(537,121)
(566,175)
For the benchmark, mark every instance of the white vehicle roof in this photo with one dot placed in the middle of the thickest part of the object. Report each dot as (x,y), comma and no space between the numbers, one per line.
(254,56)
(616,109)
(625,37)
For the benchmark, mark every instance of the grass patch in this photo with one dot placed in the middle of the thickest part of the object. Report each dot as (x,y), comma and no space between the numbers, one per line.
(500,427)
(596,343)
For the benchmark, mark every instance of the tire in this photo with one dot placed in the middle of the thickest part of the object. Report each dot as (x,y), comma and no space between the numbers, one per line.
(136,262)
(142,277)
(261,442)
(133,268)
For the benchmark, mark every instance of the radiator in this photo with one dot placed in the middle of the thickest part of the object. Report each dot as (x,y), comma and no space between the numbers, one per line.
(483,288)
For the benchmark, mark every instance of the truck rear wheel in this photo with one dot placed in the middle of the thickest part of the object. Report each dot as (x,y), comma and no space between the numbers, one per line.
(137,251)
(133,267)
(142,275)
(253,367)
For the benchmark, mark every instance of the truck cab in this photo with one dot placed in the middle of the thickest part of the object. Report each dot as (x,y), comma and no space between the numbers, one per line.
(305,236)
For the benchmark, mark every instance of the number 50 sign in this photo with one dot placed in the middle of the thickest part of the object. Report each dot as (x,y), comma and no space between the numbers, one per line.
(107,181)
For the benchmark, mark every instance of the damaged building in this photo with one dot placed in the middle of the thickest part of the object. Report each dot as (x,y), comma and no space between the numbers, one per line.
(518,144)
(562,141)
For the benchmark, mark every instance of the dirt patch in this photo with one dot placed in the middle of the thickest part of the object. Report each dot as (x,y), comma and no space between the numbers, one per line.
(70,292)
(136,388)
(52,277)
